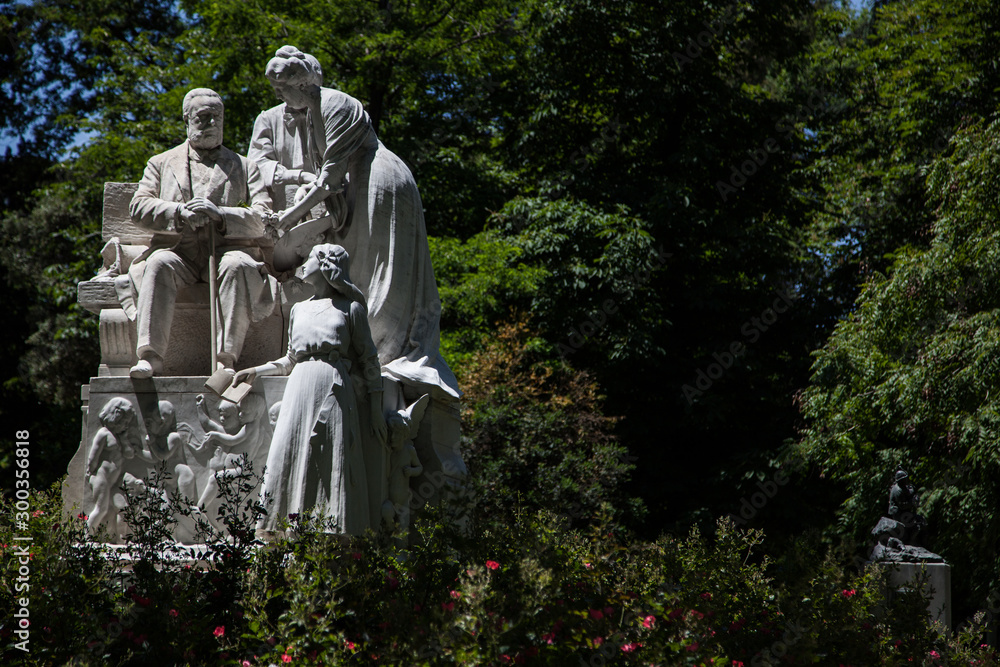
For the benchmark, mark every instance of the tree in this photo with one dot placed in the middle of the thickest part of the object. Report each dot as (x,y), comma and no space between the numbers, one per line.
(911,377)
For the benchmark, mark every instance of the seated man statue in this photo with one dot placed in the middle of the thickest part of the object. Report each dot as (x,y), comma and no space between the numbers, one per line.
(187,195)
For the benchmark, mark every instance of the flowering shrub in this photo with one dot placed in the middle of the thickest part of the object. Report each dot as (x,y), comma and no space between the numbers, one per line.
(492,576)
(523,589)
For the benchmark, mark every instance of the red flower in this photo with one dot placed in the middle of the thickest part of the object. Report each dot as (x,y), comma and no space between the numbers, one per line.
(356,555)
(455,595)
(448,606)
(706,596)
(596,614)
(220,631)
(493,565)
(82,517)
(848,593)
(649,621)
(349,644)
(173,612)
(285,657)
(629,648)
(693,647)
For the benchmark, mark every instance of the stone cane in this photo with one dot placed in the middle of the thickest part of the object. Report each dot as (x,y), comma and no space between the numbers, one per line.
(213,284)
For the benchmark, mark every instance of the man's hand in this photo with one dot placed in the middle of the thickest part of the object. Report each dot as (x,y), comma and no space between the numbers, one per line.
(193,219)
(205,207)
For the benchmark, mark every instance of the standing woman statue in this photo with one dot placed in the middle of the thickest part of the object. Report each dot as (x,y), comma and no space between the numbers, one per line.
(316,461)
(323,138)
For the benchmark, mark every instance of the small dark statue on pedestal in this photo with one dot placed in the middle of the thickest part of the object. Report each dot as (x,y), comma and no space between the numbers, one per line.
(898,535)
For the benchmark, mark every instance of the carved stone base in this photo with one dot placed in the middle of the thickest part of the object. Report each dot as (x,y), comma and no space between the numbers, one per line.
(905,576)
(148,401)
(165,411)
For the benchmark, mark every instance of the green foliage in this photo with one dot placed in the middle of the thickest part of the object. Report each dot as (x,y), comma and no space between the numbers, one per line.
(535,434)
(505,589)
(910,378)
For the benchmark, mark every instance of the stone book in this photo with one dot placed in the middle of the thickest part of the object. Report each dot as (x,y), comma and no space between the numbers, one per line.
(221,383)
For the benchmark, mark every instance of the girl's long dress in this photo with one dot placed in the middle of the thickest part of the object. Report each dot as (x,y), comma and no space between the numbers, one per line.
(316,461)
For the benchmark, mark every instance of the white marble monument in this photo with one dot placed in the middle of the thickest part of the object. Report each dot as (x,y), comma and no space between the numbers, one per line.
(377,336)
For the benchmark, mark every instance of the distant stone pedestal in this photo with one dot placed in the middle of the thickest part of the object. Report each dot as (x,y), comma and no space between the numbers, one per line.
(905,576)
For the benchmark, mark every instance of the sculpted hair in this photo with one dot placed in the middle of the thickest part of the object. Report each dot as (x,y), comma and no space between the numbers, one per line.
(253,406)
(199,92)
(334,263)
(116,412)
(292,66)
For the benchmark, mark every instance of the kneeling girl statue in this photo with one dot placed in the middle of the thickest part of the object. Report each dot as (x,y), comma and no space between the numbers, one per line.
(317,461)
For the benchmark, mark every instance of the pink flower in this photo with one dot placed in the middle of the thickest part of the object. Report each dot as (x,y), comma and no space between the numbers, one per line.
(693,647)
(285,657)
(245,663)
(448,606)
(220,631)
(649,621)
(596,614)
(588,565)
(173,612)
(493,565)
(598,641)
(349,644)
(737,663)
(706,596)
(848,593)
(629,648)
(455,595)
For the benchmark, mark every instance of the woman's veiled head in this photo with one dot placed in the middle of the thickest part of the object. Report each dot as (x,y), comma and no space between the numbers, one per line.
(333,262)
(292,67)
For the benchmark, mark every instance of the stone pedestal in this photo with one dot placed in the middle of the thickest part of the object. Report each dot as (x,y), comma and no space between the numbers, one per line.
(148,400)
(905,576)
(174,401)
